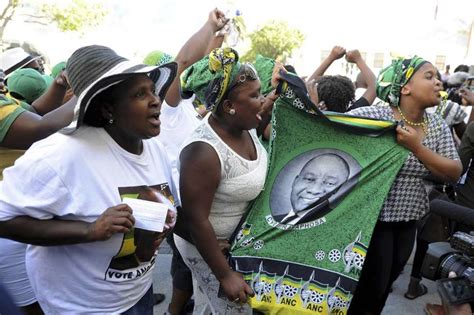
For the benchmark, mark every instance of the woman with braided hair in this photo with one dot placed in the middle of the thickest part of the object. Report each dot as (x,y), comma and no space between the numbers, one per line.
(409,86)
(222,168)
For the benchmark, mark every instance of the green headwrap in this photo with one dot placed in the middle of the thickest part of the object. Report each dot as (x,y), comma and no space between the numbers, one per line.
(157,58)
(394,77)
(264,67)
(212,77)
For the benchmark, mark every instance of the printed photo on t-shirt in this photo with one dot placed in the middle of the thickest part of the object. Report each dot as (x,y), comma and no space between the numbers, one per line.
(137,253)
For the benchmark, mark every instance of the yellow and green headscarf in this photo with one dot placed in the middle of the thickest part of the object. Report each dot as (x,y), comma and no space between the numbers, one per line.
(392,78)
(211,78)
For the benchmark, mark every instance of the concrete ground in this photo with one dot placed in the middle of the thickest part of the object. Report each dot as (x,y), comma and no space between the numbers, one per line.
(396,304)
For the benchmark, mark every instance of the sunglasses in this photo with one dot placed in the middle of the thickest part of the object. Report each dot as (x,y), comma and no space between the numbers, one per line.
(246,71)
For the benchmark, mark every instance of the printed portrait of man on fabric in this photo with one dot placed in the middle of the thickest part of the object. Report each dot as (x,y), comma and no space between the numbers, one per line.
(322,179)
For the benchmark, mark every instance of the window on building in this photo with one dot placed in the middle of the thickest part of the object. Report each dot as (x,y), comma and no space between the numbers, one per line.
(324,54)
(378,60)
(440,62)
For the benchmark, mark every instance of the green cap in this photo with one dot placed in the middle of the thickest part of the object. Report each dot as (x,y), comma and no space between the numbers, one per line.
(28,84)
(157,58)
(57,69)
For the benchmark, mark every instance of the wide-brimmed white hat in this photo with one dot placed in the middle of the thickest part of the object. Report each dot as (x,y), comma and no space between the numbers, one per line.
(93,69)
(13,59)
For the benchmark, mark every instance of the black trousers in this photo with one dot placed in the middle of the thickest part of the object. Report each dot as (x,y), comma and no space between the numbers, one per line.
(389,250)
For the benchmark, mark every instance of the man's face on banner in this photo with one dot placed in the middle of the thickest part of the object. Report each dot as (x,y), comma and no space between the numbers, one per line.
(320,176)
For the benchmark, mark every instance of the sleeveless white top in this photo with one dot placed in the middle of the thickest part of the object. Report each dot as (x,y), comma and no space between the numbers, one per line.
(241,181)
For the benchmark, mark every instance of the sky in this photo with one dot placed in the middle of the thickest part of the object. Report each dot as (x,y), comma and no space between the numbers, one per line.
(402,27)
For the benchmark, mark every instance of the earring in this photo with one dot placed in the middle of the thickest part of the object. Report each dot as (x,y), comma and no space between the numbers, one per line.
(111,121)
(231,111)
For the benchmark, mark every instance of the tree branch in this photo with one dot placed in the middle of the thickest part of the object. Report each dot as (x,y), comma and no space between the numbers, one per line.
(34,16)
(37,22)
(10,4)
(13,5)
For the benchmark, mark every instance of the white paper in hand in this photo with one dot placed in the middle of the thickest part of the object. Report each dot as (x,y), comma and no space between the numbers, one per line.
(149,215)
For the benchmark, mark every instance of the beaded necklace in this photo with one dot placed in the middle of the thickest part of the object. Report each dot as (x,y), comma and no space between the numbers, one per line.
(423,124)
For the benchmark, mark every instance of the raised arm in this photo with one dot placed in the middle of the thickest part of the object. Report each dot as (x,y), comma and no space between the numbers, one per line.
(466,149)
(29,127)
(337,52)
(54,97)
(200,164)
(468,100)
(193,50)
(354,56)
(216,41)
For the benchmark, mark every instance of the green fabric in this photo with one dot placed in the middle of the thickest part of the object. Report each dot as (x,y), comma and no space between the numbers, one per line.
(264,67)
(313,267)
(10,109)
(28,83)
(211,77)
(157,58)
(57,69)
(392,78)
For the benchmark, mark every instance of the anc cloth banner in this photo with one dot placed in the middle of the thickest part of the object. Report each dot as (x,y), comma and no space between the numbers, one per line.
(303,243)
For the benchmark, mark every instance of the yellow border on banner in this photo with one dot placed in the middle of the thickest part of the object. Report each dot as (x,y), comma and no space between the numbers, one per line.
(370,122)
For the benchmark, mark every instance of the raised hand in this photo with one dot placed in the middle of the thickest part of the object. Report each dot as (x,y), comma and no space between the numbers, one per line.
(337,52)
(276,77)
(467,96)
(312,88)
(353,56)
(217,19)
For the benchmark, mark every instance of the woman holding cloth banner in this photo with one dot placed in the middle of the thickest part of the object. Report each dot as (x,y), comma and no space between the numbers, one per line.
(223,168)
(409,86)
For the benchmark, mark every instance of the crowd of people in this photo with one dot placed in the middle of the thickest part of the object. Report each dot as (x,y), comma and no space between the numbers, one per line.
(190,132)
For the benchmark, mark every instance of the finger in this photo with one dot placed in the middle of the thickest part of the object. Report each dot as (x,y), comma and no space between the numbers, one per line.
(123,222)
(242,297)
(119,229)
(225,245)
(402,129)
(123,207)
(248,290)
(123,214)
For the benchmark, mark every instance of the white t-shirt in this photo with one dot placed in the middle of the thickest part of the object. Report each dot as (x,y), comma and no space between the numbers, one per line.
(177,124)
(78,177)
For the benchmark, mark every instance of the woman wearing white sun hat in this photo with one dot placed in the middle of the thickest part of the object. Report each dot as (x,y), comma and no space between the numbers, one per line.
(72,187)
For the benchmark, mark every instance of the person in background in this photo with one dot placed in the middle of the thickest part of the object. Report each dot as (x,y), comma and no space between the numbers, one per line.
(334,91)
(3,86)
(58,68)
(28,85)
(17,58)
(465,191)
(445,75)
